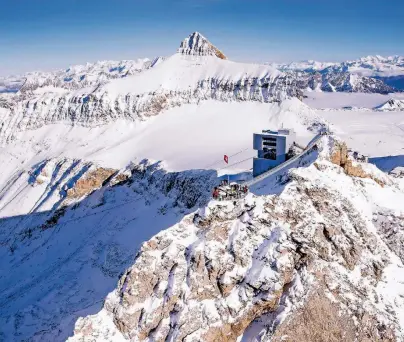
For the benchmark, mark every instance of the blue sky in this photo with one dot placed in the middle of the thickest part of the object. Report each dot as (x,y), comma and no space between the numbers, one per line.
(49,34)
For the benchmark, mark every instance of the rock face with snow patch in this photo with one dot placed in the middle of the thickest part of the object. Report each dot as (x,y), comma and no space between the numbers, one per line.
(341,82)
(198,45)
(391,105)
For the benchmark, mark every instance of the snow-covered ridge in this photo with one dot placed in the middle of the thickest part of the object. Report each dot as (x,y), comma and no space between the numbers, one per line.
(178,80)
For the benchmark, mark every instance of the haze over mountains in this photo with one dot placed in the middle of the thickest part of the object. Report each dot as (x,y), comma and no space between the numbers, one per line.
(108,231)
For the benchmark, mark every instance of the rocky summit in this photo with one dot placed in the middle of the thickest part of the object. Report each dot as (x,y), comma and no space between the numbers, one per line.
(198,45)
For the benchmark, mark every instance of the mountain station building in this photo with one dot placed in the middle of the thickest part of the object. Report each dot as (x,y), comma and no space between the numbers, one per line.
(272,147)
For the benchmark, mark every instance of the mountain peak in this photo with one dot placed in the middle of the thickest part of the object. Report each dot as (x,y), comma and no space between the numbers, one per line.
(197,44)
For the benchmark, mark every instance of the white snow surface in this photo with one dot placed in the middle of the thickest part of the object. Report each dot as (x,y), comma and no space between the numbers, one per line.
(372,132)
(187,137)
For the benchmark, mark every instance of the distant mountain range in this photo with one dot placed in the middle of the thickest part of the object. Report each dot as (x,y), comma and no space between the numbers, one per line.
(77,76)
(390,70)
(372,74)
(372,66)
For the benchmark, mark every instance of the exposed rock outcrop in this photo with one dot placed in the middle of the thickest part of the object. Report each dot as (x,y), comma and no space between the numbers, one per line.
(321,320)
(91,181)
(352,168)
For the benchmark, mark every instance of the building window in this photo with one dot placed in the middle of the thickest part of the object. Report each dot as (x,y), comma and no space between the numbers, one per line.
(269,143)
(268,139)
(270,154)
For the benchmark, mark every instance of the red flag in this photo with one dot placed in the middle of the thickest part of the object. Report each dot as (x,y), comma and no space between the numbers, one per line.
(226,159)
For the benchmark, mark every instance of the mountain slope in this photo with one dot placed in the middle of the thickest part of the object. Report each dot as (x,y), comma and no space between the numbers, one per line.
(247,270)
(69,228)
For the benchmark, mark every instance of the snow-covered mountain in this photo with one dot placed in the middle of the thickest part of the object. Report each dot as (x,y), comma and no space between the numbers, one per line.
(197,45)
(366,66)
(341,82)
(324,76)
(306,66)
(108,231)
(392,105)
(372,74)
(180,79)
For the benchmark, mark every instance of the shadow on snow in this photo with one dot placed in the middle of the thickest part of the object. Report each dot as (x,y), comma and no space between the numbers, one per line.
(59,265)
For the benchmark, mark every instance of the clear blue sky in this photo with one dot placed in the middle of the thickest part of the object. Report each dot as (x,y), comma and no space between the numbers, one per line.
(49,34)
